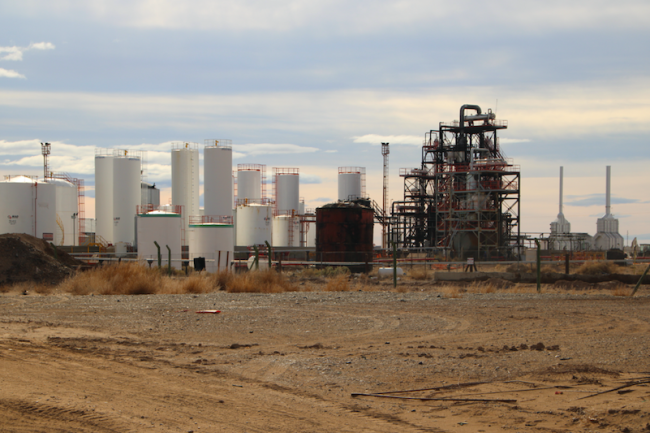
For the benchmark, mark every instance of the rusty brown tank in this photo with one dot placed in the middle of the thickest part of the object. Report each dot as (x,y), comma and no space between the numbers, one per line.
(344,233)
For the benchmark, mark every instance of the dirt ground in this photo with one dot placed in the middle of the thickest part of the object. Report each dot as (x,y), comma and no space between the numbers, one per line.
(290,362)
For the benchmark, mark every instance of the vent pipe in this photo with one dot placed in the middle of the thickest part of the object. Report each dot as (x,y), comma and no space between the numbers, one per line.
(608,200)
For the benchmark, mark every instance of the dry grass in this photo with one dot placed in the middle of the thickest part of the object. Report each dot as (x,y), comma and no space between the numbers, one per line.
(597,268)
(340,283)
(452,291)
(119,279)
(327,272)
(266,281)
(622,290)
(221,279)
(420,273)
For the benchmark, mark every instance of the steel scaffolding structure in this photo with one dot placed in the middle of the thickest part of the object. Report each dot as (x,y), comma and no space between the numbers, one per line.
(464,198)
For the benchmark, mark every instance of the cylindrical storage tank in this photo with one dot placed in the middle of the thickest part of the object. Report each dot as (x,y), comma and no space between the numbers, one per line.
(286,231)
(45,222)
(28,207)
(344,233)
(311,235)
(17,205)
(287,192)
(126,198)
(217,188)
(185,179)
(104,197)
(349,186)
(249,184)
(67,206)
(254,224)
(162,227)
(149,194)
(214,241)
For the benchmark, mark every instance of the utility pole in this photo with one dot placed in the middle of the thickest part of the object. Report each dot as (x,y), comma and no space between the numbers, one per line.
(384,238)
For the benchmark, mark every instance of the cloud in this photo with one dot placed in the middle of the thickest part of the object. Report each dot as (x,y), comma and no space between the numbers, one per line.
(323,199)
(8,73)
(272,149)
(331,151)
(392,139)
(596,200)
(15,53)
(41,46)
(362,16)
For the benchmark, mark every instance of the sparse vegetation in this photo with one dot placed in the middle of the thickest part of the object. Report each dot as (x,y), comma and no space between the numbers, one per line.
(339,283)
(597,268)
(419,273)
(267,281)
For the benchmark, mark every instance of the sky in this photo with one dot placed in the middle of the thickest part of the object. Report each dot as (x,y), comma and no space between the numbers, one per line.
(319,84)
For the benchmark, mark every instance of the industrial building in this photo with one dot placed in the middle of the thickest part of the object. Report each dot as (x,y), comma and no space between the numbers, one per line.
(463,200)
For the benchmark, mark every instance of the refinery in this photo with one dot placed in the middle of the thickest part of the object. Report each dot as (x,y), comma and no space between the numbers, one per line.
(462,201)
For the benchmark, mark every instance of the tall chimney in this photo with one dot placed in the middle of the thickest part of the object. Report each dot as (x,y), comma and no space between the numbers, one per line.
(561,187)
(608,191)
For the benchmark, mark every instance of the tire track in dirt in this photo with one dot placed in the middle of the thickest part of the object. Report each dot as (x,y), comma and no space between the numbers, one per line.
(24,413)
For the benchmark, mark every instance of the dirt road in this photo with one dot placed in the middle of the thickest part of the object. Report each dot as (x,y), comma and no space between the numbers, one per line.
(289,362)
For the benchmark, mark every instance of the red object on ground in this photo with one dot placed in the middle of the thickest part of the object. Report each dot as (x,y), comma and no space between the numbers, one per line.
(558,392)
(208,312)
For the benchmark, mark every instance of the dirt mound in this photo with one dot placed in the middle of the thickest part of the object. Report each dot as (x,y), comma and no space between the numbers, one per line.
(26,258)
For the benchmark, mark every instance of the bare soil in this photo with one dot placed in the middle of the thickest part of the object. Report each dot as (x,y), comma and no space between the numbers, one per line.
(290,362)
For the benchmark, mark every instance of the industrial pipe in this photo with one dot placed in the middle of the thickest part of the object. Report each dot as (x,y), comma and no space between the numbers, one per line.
(462,113)
(270,252)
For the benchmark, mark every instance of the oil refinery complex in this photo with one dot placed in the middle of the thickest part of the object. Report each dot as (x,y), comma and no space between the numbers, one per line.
(462,201)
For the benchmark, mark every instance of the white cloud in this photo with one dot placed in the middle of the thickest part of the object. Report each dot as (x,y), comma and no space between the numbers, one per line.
(8,73)
(272,149)
(392,139)
(340,16)
(15,53)
(41,46)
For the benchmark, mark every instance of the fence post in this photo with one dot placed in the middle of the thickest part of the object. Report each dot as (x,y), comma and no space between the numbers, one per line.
(539,267)
(159,255)
(256,262)
(394,264)
(169,263)
(640,280)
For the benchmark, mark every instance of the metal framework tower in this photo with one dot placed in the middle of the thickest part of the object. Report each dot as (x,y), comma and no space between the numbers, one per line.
(385,151)
(45,149)
(464,198)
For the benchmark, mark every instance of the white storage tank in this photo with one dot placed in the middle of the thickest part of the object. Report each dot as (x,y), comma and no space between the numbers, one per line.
(310,234)
(286,231)
(350,183)
(218,185)
(149,194)
(126,197)
(249,182)
(28,207)
(287,190)
(104,197)
(185,177)
(67,205)
(164,227)
(214,241)
(254,224)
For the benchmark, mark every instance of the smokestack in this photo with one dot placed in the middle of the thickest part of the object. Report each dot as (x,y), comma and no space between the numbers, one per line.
(608,191)
(561,187)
